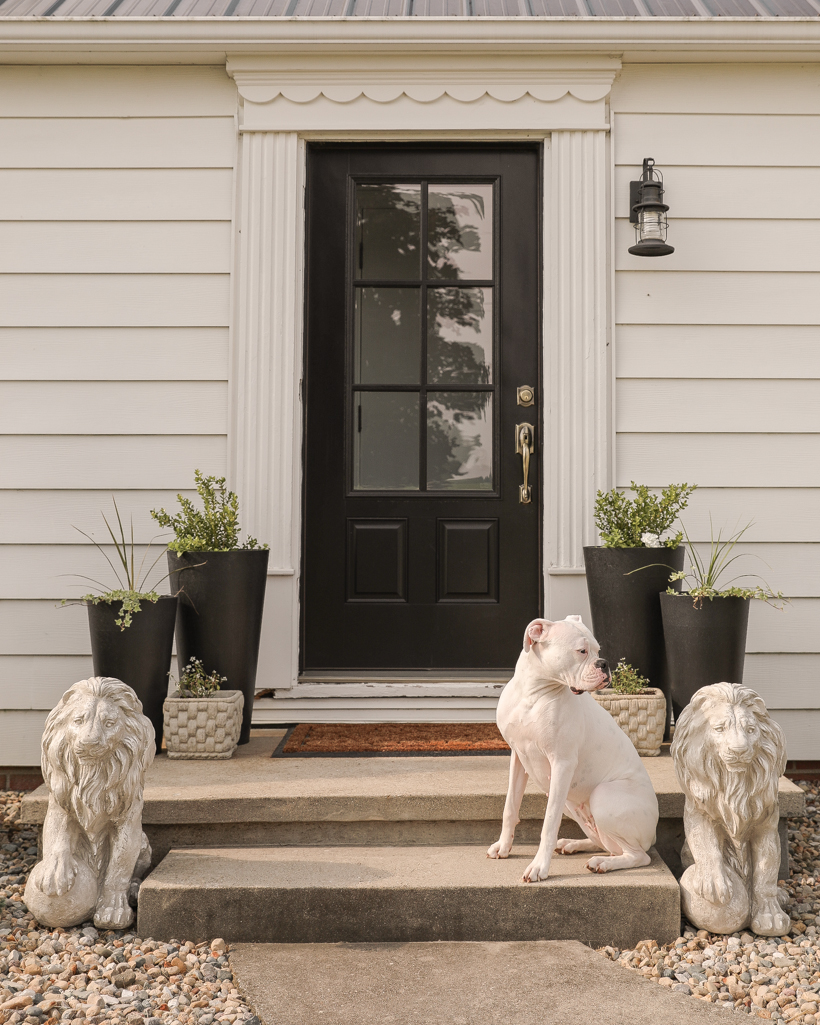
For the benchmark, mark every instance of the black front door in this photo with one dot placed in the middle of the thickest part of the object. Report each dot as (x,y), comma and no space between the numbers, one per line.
(421,546)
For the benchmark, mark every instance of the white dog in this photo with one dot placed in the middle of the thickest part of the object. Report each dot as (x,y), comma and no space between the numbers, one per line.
(575,751)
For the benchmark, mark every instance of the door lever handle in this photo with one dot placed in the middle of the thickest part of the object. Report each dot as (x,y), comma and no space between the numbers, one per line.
(524,445)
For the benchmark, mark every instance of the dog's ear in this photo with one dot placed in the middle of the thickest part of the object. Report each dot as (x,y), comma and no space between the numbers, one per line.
(536,631)
(574,619)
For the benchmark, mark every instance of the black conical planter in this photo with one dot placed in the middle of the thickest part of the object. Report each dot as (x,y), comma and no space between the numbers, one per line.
(140,655)
(626,613)
(705,643)
(219,617)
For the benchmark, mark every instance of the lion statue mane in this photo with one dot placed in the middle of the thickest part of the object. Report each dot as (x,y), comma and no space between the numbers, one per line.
(729,754)
(96,748)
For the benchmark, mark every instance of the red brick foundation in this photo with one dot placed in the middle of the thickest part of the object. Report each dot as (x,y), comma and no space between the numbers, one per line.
(20,778)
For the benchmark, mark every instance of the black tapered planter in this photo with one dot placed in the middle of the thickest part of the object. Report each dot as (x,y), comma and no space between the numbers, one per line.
(626,613)
(140,655)
(219,617)
(705,643)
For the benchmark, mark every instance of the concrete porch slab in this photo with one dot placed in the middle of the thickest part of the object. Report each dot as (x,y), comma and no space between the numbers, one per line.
(401,894)
(256,799)
(537,983)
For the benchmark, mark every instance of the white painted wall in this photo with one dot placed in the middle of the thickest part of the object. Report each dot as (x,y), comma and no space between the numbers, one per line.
(717,347)
(116,191)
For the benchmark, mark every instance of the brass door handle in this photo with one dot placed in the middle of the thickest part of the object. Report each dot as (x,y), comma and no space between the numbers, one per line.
(524,445)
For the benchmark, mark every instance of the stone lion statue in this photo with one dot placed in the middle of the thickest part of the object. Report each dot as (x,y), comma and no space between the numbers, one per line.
(97,745)
(729,754)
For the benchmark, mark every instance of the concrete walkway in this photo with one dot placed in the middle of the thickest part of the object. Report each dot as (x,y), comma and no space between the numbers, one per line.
(535,983)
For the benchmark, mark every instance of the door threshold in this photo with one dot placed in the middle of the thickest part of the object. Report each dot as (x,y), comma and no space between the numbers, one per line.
(409,677)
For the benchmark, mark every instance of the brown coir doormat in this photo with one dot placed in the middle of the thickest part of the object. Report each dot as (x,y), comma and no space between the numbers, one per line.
(390,739)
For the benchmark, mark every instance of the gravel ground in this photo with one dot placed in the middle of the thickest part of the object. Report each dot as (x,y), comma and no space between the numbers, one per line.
(776,978)
(87,976)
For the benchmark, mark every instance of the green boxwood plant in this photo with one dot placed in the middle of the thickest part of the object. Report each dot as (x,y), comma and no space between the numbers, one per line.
(214,528)
(644,521)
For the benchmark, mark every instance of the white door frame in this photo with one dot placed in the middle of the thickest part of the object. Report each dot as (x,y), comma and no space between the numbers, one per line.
(286,101)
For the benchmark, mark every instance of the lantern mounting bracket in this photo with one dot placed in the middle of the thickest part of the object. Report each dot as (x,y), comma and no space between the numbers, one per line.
(634,199)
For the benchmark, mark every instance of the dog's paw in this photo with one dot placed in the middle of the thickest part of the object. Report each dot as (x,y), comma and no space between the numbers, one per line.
(572,846)
(500,849)
(57,875)
(113,911)
(598,864)
(536,870)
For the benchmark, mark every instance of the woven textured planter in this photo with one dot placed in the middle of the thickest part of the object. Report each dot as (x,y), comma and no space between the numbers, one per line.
(642,717)
(203,727)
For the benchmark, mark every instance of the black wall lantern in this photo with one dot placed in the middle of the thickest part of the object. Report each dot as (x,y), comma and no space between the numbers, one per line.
(647,212)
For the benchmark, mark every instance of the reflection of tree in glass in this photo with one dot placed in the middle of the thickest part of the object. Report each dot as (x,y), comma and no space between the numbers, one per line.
(456,454)
(446,236)
(388,228)
(449,360)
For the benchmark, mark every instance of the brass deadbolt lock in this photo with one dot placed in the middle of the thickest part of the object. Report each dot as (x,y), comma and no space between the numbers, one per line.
(526,395)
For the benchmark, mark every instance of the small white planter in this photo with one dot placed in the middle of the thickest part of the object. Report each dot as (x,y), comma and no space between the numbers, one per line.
(642,717)
(203,727)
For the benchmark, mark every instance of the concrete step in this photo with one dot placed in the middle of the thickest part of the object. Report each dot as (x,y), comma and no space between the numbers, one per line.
(400,894)
(254,799)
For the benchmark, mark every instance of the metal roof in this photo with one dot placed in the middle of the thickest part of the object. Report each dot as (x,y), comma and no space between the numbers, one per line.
(758,9)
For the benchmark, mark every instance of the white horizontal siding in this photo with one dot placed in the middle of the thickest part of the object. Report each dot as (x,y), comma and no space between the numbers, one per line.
(60,571)
(717,347)
(704,406)
(114,300)
(802,728)
(20,735)
(118,142)
(777,514)
(39,681)
(117,92)
(152,194)
(729,245)
(720,460)
(719,140)
(717,89)
(108,407)
(723,193)
(43,628)
(116,195)
(84,461)
(114,353)
(700,297)
(115,247)
(50,517)
(784,681)
(721,351)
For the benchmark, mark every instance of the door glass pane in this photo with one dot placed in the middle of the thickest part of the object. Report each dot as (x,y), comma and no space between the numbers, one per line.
(460,231)
(459,335)
(388,232)
(459,441)
(386,441)
(387,336)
